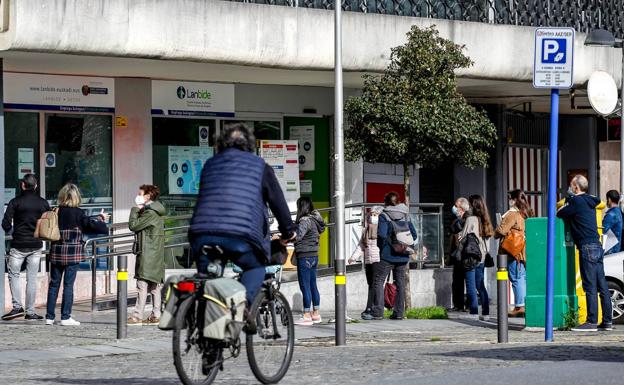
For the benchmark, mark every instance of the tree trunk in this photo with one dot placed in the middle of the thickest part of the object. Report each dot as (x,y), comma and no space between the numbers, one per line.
(406,185)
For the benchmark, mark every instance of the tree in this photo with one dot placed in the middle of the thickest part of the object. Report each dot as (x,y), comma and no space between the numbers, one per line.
(413,114)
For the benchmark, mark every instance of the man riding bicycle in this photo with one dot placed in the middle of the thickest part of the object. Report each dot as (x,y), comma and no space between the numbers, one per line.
(231,212)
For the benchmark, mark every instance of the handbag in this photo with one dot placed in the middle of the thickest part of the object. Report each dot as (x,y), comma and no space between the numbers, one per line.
(279,253)
(513,244)
(390,293)
(471,252)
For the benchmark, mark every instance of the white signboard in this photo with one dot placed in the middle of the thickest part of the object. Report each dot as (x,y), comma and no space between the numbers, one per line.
(58,93)
(9,193)
(185,166)
(25,162)
(282,155)
(192,99)
(554,58)
(305,136)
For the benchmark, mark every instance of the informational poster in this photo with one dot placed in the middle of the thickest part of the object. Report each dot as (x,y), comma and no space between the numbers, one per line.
(282,155)
(25,162)
(204,136)
(185,166)
(306,186)
(305,136)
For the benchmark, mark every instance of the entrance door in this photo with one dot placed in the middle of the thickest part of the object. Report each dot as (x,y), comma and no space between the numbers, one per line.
(526,170)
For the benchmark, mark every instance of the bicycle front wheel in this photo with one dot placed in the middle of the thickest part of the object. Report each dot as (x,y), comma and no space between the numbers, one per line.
(196,360)
(270,349)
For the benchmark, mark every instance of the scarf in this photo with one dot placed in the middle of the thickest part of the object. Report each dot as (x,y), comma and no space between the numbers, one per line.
(371,231)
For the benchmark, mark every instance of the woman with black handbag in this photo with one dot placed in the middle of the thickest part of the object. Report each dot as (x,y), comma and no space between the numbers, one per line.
(511,232)
(473,243)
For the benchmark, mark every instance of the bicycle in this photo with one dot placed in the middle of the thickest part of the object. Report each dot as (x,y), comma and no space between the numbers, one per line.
(269,329)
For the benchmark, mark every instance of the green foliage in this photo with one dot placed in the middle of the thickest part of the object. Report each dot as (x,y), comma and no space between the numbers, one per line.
(430,312)
(413,113)
(570,318)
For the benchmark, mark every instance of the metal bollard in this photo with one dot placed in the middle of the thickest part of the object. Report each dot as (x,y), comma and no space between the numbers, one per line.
(93,277)
(122,297)
(502,277)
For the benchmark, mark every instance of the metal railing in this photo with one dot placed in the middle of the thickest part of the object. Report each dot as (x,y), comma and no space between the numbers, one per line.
(582,15)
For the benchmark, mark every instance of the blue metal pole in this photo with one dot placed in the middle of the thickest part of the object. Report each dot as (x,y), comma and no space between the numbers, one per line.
(552,203)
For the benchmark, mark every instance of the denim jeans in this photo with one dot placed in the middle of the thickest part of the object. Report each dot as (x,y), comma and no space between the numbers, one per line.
(238,251)
(15,260)
(517,276)
(594,283)
(68,274)
(475,286)
(306,275)
(398,275)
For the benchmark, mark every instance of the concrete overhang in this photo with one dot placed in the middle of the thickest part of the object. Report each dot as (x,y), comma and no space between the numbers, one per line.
(229,33)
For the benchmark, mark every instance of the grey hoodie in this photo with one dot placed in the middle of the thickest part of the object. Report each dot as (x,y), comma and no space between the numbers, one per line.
(399,212)
(309,230)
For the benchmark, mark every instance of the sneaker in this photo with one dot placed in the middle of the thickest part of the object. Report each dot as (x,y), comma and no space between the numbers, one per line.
(586,327)
(304,321)
(370,317)
(49,322)
(349,319)
(367,311)
(13,314)
(134,321)
(396,317)
(471,317)
(484,318)
(316,319)
(151,320)
(69,322)
(33,317)
(605,327)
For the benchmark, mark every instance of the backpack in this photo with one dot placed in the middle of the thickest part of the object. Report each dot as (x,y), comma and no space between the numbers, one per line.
(401,239)
(470,252)
(47,226)
(225,306)
(171,302)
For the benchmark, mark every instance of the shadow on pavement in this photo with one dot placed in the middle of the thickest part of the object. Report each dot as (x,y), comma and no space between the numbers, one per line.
(553,353)
(109,381)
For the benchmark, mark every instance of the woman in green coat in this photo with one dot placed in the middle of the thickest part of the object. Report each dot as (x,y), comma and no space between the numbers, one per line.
(146,220)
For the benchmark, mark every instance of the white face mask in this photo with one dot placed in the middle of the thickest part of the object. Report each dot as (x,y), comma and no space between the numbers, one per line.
(139,200)
(374,219)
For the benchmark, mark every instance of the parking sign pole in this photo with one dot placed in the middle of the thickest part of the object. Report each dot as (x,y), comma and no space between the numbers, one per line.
(552,202)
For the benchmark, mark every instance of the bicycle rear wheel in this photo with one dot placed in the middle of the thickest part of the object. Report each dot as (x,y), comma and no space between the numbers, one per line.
(196,360)
(270,349)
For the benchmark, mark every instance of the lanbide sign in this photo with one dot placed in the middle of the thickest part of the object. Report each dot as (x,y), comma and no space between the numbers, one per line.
(554,57)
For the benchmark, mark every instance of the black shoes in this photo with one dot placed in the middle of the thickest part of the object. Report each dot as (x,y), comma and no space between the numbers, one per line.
(394,316)
(13,314)
(605,327)
(33,317)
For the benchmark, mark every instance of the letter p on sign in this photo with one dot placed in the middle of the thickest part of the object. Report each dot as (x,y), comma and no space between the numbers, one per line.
(554,51)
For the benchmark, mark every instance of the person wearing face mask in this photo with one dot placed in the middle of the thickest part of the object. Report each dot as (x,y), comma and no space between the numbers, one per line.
(460,210)
(369,249)
(147,222)
(580,212)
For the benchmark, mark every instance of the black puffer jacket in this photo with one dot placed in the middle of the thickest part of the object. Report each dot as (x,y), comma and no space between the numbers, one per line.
(309,230)
(21,216)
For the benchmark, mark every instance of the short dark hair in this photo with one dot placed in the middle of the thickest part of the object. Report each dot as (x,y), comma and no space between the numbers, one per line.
(237,136)
(391,199)
(30,182)
(613,196)
(151,190)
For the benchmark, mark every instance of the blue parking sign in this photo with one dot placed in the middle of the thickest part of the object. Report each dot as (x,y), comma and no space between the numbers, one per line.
(553,63)
(554,51)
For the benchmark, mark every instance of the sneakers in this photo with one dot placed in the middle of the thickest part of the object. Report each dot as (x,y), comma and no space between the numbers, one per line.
(151,320)
(49,322)
(605,327)
(134,321)
(69,322)
(586,327)
(370,317)
(471,317)
(33,317)
(394,316)
(484,318)
(13,314)
(303,321)
(316,319)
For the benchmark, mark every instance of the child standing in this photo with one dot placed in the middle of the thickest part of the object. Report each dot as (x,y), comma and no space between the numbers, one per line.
(310,226)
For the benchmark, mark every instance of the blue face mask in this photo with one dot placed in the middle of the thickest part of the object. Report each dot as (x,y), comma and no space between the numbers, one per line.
(454,210)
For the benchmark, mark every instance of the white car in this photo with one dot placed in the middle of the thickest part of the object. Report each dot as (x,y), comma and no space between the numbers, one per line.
(614,270)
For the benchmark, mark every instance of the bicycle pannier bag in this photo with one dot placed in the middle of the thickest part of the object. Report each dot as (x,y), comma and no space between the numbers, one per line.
(170,303)
(47,226)
(225,306)
(401,239)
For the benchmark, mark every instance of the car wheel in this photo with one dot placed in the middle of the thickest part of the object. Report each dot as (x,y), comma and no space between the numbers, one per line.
(617,299)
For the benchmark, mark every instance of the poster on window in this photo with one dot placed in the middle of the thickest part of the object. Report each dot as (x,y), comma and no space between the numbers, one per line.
(282,155)
(185,166)
(25,162)
(304,135)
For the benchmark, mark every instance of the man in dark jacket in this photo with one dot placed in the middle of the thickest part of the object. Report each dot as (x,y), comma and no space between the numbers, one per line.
(231,212)
(580,212)
(21,217)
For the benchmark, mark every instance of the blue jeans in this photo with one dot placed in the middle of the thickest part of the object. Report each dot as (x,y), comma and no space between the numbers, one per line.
(594,283)
(475,286)
(306,274)
(57,272)
(517,276)
(238,251)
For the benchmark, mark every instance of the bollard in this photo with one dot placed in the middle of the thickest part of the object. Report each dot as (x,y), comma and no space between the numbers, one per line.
(502,277)
(122,297)
(93,277)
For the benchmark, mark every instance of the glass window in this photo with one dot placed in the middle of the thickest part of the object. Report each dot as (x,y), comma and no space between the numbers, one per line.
(267,130)
(21,148)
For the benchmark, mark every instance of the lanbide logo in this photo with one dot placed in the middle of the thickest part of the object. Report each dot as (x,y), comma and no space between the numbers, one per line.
(193,94)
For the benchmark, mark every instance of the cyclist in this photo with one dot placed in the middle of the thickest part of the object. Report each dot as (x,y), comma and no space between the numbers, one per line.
(231,212)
